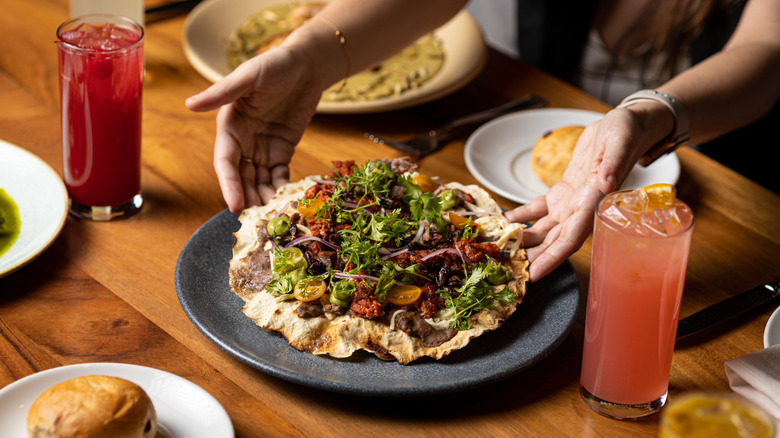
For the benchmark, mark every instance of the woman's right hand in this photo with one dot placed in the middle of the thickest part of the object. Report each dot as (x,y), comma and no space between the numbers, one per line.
(264,106)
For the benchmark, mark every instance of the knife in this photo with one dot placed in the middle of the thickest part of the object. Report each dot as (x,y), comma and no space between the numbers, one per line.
(170,9)
(728,309)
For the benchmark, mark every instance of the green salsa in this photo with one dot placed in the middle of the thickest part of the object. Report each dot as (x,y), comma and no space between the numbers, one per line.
(10,223)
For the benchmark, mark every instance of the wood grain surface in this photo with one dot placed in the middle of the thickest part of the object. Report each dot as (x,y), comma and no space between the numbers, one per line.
(104,292)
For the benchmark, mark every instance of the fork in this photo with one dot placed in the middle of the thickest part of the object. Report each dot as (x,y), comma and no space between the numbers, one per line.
(431,141)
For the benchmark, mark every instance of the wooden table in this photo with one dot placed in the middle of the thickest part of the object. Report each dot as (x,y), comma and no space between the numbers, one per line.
(104,292)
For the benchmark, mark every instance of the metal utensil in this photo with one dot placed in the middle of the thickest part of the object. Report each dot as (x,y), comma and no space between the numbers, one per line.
(169,10)
(431,141)
(728,309)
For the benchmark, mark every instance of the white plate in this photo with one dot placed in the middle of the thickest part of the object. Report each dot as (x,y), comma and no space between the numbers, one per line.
(40,194)
(183,408)
(209,25)
(772,330)
(498,153)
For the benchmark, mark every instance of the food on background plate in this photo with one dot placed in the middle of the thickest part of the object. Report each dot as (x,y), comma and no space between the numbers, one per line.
(405,71)
(701,414)
(552,152)
(93,406)
(10,223)
(378,257)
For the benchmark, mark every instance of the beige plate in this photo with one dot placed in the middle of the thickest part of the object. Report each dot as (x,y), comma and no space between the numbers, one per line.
(208,26)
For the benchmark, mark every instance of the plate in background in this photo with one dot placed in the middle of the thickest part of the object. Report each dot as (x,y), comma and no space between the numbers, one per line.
(498,153)
(209,25)
(772,330)
(42,199)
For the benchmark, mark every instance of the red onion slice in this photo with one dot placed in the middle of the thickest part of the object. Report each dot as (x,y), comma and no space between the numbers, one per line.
(420,231)
(466,261)
(395,253)
(281,210)
(479,213)
(324,181)
(315,238)
(437,252)
(355,276)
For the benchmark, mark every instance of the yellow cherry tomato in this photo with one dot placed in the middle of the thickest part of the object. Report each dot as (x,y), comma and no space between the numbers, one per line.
(404,294)
(426,183)
(290,259)
(460,222)
(308,209)
(309,290)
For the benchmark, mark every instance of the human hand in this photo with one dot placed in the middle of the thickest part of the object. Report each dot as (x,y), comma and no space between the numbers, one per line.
(604,155)
(266,103)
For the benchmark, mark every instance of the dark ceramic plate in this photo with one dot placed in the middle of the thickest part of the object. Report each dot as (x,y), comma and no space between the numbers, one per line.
(539,325)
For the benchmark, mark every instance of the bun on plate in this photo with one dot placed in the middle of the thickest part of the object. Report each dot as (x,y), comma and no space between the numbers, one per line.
(90,407)
(552,152)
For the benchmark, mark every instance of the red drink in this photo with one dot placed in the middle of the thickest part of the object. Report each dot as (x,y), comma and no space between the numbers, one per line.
(640,255)
(101,73)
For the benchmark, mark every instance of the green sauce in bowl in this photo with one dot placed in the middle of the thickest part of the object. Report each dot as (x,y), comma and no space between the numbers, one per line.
(10,223)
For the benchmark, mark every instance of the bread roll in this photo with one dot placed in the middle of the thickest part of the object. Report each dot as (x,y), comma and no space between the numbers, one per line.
(91,407)
(552,152)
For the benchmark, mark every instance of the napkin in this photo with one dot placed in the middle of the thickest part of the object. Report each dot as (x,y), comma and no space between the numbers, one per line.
(756,376)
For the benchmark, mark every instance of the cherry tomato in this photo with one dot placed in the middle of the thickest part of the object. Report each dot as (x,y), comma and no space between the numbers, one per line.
(460,222)
(309,290)
(309,209)
(404,294)
(290,259)
(426,183)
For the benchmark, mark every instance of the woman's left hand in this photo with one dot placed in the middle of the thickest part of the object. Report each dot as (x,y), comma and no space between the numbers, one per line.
(605,153)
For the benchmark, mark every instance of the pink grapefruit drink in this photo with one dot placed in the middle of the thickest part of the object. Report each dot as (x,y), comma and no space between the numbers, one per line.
(641,242)
(101,75)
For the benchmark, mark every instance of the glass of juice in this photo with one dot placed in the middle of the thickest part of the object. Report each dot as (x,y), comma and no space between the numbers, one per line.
(101,75)
(641,242)
(714,414)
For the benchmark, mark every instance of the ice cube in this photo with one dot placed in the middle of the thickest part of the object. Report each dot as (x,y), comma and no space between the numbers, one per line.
(655,222)
(110,44)
(124,36)
(90,41)
(633,200)
(72,36)
(665,222)
(619,217)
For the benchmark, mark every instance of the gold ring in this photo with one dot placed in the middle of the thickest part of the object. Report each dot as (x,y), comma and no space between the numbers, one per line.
(247,160)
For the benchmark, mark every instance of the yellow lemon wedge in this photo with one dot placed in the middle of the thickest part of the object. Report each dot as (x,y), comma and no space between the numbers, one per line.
(660,196)
(714,415)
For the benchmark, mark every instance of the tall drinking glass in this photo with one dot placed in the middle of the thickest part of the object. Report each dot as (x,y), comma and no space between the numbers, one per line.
(101,75)
(641,242)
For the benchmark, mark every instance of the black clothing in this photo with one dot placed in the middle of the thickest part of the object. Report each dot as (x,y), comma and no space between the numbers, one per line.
(552,34)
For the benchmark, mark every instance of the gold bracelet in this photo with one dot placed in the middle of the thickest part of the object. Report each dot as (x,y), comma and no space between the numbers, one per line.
(342,41)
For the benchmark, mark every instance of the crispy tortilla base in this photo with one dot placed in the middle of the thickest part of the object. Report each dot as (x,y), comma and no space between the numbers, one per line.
(341,335)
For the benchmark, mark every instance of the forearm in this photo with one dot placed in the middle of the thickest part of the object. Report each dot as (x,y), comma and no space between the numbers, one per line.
(738,85)
(373,31)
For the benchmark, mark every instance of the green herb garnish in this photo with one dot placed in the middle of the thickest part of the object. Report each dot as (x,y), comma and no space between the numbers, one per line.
(475,295)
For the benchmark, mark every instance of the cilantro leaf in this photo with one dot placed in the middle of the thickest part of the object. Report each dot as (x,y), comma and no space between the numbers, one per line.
(475,295)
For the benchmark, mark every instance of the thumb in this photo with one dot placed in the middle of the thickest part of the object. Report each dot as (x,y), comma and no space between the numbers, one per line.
(236,84)
(614,168)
